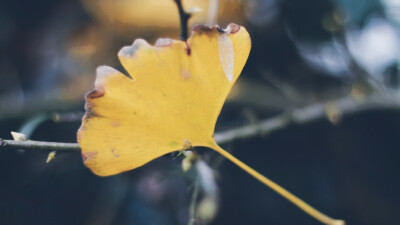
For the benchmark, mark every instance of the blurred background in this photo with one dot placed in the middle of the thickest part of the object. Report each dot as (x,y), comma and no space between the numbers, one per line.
(328,68)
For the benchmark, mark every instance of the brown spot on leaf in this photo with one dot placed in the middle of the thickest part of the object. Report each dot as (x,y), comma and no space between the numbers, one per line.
(188,50)
(209,31)
(115,124)
(91,114)
(185,74)
(200,29)
(89,156)
(96,93)
(114,153)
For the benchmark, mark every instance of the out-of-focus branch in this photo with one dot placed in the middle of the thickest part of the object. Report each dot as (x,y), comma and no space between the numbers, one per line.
(36,105)
(39,145)
(331,110)
(213,6)
(67,117)
(193,204)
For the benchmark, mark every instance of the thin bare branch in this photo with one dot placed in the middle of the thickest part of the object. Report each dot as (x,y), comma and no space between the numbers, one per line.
(343,106)
(39,145)
(184,19)
(213,6)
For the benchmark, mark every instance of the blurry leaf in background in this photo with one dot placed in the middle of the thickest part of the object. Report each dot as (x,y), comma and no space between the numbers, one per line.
(376,46)
(85,43)
(392,8)
(132,16)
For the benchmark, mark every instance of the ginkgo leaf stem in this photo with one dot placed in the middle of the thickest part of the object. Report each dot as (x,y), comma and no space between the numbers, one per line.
(280,190)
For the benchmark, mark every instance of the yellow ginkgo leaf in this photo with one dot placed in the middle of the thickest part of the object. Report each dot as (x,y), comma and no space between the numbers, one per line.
(171,102)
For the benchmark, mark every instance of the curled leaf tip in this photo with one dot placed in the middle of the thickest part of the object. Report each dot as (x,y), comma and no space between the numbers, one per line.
(96,93)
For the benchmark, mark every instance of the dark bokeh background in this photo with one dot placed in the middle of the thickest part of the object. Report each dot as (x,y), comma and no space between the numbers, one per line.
(304,52)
